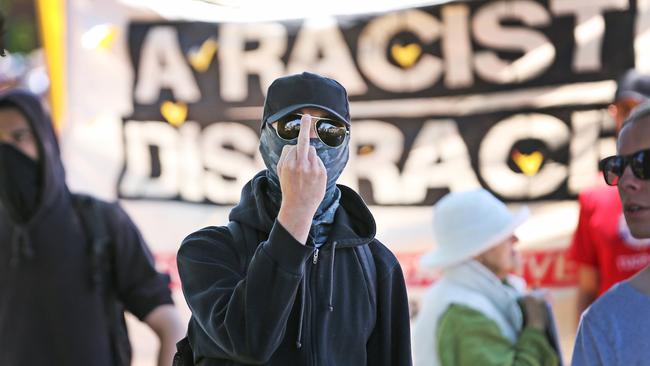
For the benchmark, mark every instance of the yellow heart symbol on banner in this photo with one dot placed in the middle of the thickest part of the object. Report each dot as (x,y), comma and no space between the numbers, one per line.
(174,113)
(201,58)
(406,56)
(109,39)
(99,37)
(529,164)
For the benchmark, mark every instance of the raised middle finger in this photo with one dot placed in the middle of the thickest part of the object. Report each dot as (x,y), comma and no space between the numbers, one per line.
(302,148)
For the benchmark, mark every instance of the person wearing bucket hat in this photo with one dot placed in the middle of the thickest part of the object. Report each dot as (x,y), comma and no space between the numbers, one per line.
(297,276)
(476,314)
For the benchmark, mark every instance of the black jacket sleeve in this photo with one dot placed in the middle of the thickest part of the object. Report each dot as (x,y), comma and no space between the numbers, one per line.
(242,308)
(139,286)
(390,341)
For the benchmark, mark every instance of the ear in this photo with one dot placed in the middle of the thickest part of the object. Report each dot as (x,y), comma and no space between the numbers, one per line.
(612,109)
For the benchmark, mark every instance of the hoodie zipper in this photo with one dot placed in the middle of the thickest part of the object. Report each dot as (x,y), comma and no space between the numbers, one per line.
(315,256)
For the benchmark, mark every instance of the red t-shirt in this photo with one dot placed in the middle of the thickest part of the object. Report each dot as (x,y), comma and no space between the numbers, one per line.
(603,240)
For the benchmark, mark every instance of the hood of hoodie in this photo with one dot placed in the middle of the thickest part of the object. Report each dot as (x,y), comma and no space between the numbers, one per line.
(51,216)
(52,173)
(353,223)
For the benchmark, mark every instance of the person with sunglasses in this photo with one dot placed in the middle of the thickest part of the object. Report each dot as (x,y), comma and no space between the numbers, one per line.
(602,247)
(297,277)
(614,330)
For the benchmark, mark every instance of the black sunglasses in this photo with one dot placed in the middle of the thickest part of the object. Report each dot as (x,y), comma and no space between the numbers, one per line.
(614,166)
(330,131)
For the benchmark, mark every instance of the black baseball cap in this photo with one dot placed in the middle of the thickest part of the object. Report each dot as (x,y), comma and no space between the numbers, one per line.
(291,93)
(633,84)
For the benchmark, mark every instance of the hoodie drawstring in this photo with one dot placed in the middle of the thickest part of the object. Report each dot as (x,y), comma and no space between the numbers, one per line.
(302,311)
(21,246)
(330,306)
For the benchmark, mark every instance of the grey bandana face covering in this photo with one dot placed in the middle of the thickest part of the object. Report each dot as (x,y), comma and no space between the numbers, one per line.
(334,159)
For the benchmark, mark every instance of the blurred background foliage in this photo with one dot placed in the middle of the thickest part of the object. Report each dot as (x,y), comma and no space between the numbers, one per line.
(21,25)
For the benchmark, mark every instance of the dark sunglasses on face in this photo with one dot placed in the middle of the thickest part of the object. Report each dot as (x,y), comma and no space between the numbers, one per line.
(330,131)
(614,166)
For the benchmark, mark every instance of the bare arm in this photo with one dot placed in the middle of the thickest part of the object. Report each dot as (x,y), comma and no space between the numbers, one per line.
(588,283)
(166,323)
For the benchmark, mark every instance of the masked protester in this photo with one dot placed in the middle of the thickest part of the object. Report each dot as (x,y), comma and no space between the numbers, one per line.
(56,306)
(297,277)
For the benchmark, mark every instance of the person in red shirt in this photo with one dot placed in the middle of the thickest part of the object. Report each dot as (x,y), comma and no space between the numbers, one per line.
(603,247)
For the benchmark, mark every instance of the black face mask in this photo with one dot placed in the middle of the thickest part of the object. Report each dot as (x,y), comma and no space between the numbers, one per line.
(19,183)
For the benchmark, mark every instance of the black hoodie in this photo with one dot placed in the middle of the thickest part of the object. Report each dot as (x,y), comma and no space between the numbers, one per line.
(50,314)
(272,301)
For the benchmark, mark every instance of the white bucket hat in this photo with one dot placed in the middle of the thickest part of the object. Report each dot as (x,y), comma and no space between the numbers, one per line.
(467,224)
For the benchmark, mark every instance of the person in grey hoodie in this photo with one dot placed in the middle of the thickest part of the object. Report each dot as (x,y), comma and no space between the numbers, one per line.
(297,277)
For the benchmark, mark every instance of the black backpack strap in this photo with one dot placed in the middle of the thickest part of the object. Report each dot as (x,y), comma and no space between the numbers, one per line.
(235,231)
(184,355)
(240,238)
(368,264)
(101,254)
(94,226)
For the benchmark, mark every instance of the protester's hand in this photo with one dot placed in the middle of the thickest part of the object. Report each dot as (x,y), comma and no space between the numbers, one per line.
(535,311)
(303,178)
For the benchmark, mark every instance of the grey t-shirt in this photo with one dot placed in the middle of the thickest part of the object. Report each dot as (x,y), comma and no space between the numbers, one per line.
(615,330)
